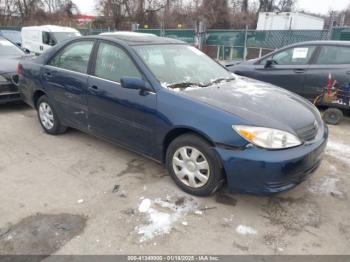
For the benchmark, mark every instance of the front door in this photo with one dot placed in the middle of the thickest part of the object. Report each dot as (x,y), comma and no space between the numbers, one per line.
(66,80)
(122,115)
(289,68)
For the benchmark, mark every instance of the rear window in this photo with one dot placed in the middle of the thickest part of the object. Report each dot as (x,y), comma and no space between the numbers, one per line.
(332,55)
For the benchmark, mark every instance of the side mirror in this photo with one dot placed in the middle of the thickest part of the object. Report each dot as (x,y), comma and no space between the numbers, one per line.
(135,83)
(269,63)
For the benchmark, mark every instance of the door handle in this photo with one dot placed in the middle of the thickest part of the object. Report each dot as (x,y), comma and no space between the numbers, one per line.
(48,75)
(299,71)
(93,89)
(348,73)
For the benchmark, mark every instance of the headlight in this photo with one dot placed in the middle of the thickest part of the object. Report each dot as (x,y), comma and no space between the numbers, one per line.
(3,80)
(267,137)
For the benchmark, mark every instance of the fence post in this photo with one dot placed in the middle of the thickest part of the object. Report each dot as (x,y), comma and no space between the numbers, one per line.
(331,25)
(245,43)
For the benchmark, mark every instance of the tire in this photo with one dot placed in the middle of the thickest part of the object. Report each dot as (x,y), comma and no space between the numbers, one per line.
(333,116)
(48,117)
(185,157)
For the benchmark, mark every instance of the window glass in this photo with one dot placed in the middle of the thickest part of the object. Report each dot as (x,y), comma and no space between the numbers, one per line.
(112,63)
(47,39)
(292,56)
(334,55)
(74,57)
(174,64)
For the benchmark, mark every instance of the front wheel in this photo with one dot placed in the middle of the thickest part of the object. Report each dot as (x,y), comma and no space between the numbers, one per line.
(194,166)
(48,117)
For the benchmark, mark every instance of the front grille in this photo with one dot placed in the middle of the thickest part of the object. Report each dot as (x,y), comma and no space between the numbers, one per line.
(308,132)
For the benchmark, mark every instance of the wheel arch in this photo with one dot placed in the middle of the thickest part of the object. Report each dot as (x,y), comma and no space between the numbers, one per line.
(179,131)
(36,95)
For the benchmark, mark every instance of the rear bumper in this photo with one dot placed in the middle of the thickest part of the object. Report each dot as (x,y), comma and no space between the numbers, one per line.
(259,171)
(9,93)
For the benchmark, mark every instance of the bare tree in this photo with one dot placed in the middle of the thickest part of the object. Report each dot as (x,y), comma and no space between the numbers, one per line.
(273,5)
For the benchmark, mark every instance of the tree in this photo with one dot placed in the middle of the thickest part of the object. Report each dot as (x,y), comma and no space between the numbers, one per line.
(216,13)
(273,5)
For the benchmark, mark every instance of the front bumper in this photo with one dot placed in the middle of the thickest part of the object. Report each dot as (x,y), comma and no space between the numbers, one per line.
(259,171)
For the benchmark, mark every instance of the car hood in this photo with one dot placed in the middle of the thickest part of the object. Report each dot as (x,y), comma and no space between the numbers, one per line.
(258,103)
(9,64)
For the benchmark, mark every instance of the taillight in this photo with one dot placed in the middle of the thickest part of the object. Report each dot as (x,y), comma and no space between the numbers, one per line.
(19,69)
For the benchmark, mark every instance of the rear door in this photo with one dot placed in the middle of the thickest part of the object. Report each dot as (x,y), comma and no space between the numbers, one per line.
(65,78)
(289,70)
(122,115)
(331,60)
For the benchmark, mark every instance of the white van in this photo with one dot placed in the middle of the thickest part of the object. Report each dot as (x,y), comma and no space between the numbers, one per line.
(37,39)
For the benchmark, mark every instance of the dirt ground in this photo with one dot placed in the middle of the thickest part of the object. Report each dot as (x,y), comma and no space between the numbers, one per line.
(76,194)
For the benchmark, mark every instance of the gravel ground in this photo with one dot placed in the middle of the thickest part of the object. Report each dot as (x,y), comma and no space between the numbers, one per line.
(90,197)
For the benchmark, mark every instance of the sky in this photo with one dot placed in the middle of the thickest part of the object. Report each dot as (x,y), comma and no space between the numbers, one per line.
(315,6)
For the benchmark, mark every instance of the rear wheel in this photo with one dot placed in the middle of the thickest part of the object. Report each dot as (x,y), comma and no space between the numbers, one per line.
(333,116)
(193,165)
(48,117)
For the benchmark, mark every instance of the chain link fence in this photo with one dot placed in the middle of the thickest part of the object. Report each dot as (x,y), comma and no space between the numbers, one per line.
(237,44)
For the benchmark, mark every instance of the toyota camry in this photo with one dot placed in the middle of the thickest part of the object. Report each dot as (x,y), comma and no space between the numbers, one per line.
(170,102)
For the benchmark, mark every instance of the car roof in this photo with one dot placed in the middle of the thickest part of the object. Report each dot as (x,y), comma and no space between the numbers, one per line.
(51,28)
(134,38)
(4,39)
(323,42)
(10,31)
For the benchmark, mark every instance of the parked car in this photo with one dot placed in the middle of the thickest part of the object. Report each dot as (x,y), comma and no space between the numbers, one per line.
(10,55)
(37,39)
(172,103)
(303,68)
(12,35)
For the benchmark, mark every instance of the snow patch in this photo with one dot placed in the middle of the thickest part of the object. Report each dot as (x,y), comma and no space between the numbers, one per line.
(326,186)
(162,215)
(339,150)
(246,230)
(145,205)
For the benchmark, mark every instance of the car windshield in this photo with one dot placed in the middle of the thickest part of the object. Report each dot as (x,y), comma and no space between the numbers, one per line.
(9,49)
(61,36)
(181,66)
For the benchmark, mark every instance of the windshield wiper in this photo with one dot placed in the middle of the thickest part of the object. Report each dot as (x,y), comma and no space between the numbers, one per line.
(219,80)
(185,85)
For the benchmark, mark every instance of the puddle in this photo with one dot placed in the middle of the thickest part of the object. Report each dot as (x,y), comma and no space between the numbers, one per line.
(225,199)
(40,234)
(143,166)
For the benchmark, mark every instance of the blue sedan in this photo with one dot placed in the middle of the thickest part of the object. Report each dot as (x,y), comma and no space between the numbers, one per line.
(170,102)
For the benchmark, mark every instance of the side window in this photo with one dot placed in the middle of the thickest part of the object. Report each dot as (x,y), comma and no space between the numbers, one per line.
(293,56)
(334,55)
(47,39)
(74,57)
(112,63)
